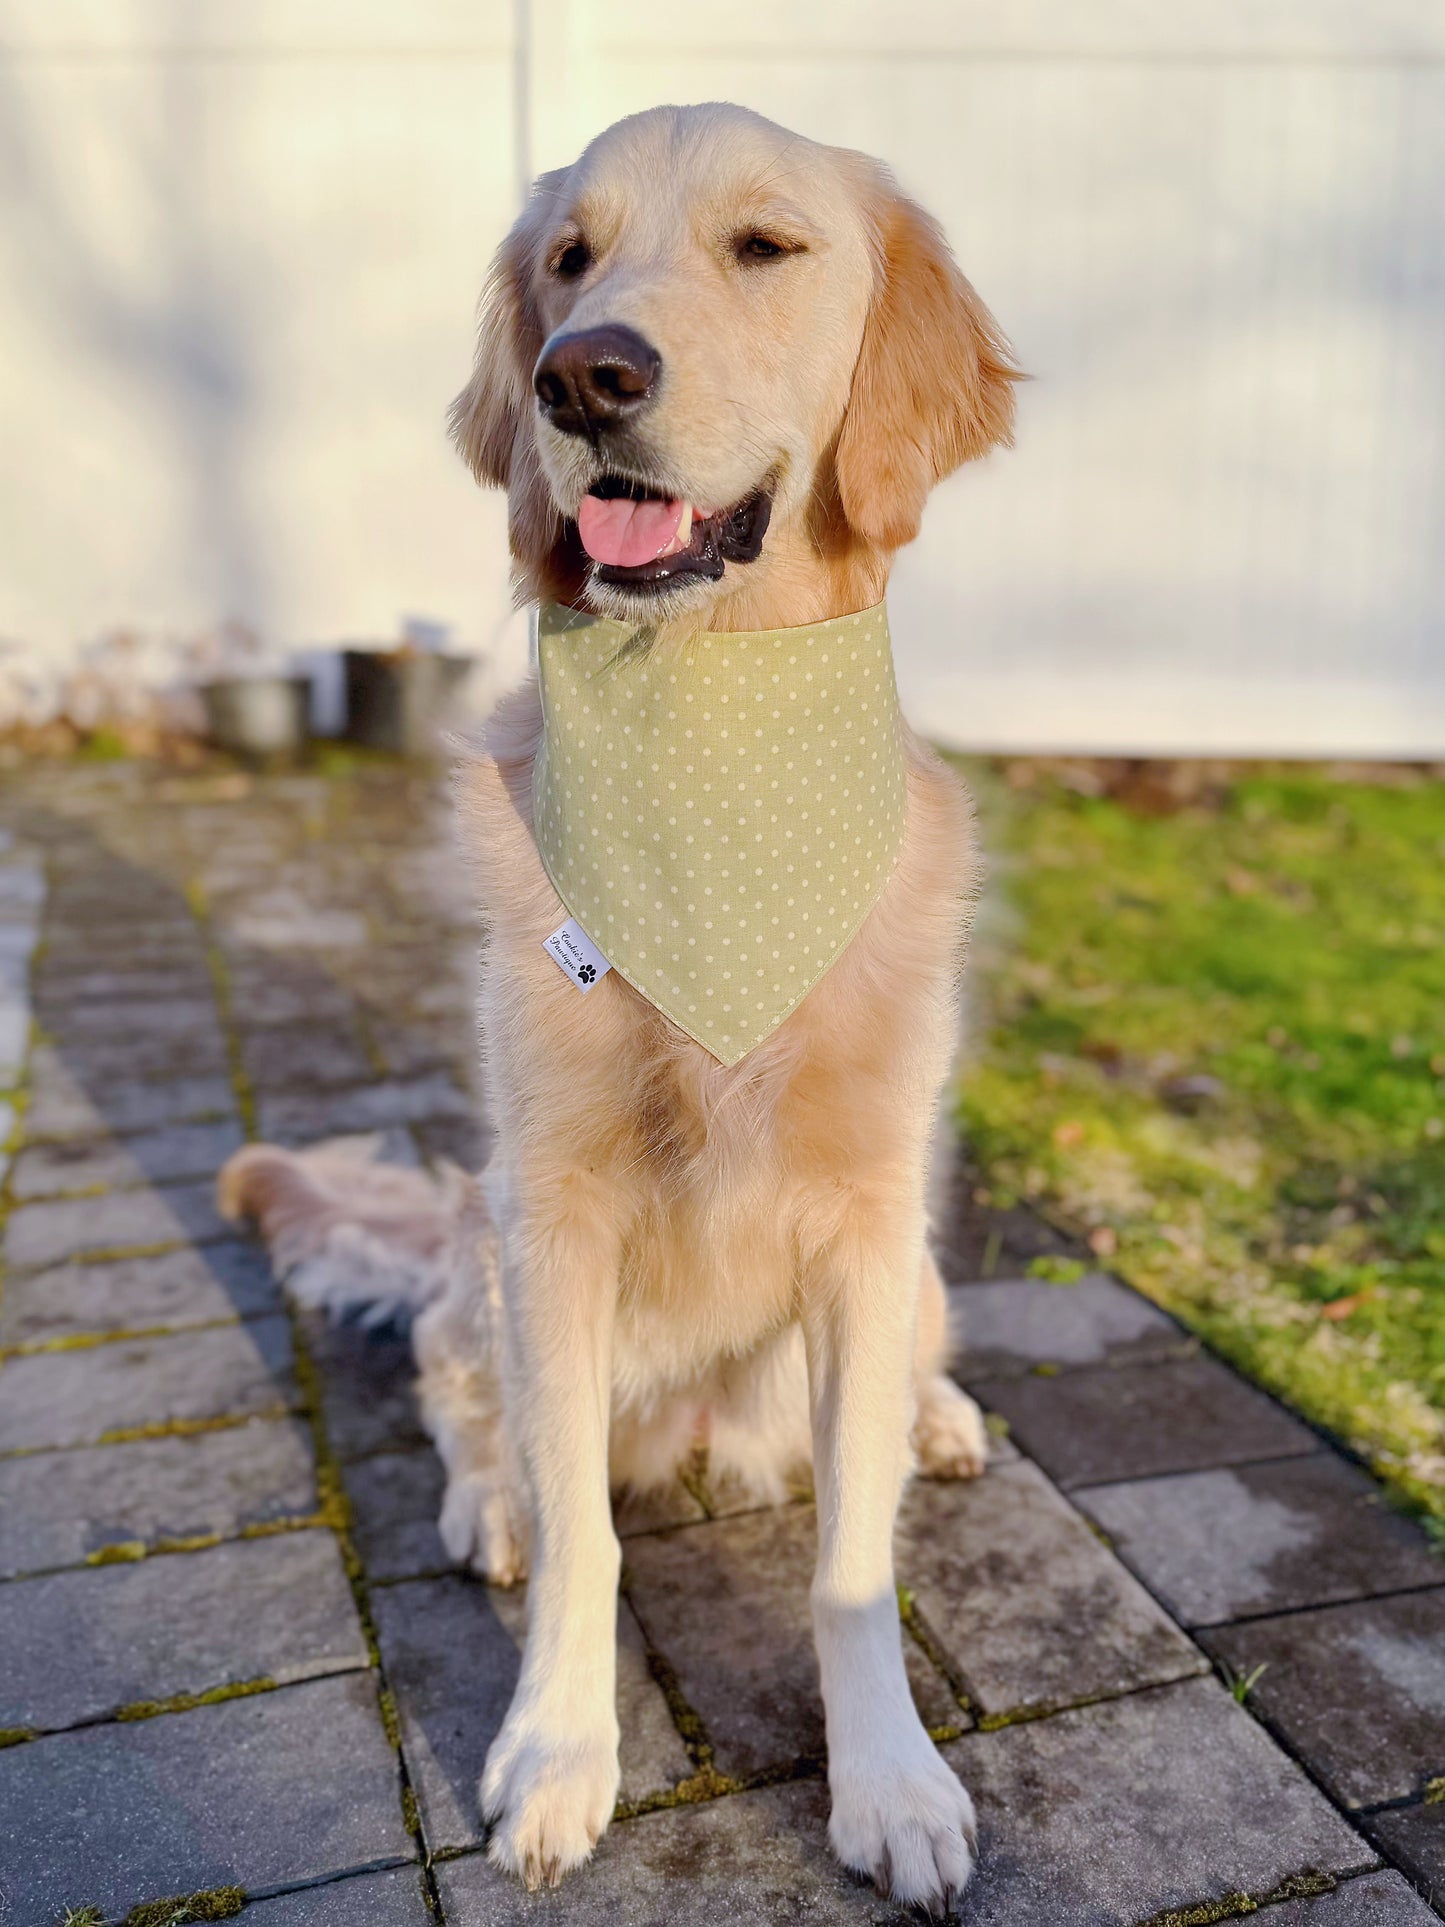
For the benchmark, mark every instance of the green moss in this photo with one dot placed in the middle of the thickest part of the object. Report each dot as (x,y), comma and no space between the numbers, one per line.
(121,1335)
(1058,1271)
(15,1735)
(1228,1907)
(685,1717)
(216,1903)
(410,1812)
(82,1917)
(181,1428)
(1299,1886)
(1214,1046)
(102,746)
(916,1628)
(123,1552)
(187,1702)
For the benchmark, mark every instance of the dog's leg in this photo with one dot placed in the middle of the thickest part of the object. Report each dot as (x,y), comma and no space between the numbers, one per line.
(949,1435)
(900,1816)
(457,1342)
(551,1775)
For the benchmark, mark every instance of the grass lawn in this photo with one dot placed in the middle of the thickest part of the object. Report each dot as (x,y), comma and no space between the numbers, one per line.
(1211,1042)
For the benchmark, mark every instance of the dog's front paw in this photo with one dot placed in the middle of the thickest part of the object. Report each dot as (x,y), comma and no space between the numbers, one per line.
(949,1435)
(481,1526)
(547,1798)
(904,1822)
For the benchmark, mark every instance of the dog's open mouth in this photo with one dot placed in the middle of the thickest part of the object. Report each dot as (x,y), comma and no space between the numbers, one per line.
(641,539)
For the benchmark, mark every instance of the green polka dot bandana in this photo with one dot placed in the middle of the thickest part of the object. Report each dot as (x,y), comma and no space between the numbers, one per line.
(719,817)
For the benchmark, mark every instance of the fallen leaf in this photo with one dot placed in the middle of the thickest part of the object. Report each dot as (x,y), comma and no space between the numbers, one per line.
(1339,1308)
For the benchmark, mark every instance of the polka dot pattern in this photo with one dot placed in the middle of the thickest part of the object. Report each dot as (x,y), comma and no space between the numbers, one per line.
(719,817)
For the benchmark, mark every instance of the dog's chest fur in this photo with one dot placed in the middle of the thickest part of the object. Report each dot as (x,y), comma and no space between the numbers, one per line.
(725,1185)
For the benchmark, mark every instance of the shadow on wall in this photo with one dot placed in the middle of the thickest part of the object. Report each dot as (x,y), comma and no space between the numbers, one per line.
(178,332)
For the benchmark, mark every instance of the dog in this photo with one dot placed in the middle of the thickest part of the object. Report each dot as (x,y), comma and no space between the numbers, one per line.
(719,368)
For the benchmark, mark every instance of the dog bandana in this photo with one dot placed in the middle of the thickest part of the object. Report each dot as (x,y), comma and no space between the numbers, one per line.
(719,818)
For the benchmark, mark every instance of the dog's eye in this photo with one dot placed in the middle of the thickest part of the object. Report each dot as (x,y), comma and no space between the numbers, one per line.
(574,259)
(760,247)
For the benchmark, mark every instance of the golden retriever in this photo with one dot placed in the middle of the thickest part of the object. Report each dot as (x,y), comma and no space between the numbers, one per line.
(764,336)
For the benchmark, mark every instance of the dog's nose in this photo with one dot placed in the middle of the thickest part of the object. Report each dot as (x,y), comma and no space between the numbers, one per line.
(596,378)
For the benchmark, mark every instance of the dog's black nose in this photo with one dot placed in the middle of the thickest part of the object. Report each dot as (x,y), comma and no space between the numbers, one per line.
(596,378)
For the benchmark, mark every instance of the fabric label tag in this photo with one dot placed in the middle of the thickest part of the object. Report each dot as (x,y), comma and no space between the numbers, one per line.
(574,950)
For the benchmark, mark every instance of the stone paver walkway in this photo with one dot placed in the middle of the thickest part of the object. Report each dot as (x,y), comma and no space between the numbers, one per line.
(234,1656)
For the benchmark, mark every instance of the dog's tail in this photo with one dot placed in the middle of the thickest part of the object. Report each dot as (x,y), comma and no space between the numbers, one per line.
(345,1231)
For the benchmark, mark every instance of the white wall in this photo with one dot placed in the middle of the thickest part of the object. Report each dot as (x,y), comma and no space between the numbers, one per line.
(242,239)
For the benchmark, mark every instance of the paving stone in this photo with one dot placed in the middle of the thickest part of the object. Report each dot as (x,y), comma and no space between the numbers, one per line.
(410,1049)
(43,1234)
(57,1508)
(316,1054)
(1373,1900)
(451,1650)
(1357,1690)
(1263,1538)
(390,1899)
(79,1397)
(368,1381)
(161,944)
(301,1117)
(429,979)
(269,992)
(64,1104)
(1012,1325)
(466,1141)
(127,918)
(1415,1838)
(1031,1608)
(122,1019)
(1093,1426)
(1114,1813)
(153,1157)
(14,1034)
(296,925)
(106,1062)
(81,1645)
(727,1606)
(262,1792)
(82,983)
(22,885)
(752,1860)
(134,902)
(15,970)
(19,935)
(396,1498)
(194,1286)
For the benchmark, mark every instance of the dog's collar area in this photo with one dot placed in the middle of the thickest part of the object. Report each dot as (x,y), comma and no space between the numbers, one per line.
(719,818)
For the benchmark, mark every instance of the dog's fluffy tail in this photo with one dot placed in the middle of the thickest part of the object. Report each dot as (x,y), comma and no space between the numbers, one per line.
(345,1231)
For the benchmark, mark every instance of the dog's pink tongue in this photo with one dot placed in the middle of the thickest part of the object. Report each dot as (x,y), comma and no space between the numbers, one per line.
(625,533)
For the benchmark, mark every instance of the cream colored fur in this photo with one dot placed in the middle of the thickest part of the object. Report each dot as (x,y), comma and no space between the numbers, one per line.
(674,1254)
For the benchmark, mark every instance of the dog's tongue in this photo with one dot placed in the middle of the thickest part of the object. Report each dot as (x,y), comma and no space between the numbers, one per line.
(625,533)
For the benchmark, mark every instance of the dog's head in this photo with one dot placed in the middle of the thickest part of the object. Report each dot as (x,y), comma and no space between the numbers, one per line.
(719,368)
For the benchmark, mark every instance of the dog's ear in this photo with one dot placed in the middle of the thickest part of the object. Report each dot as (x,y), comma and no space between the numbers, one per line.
(933,386)
(490,420)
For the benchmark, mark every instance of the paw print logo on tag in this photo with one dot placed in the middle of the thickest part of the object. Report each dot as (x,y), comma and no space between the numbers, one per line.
(572,949)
